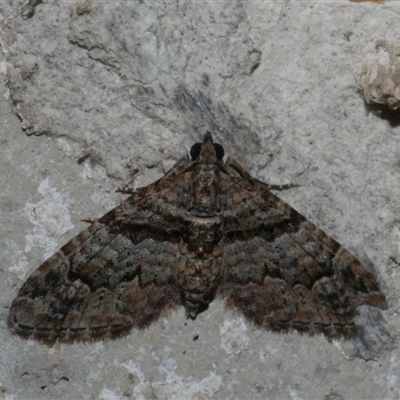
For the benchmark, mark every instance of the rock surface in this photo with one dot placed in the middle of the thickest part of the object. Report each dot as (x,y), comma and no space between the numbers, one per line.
(112,93)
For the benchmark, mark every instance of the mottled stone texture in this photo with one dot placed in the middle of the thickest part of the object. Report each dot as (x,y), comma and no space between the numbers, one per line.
(120,89)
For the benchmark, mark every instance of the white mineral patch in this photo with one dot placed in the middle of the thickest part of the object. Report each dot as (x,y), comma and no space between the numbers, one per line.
(50,218)
(233,335)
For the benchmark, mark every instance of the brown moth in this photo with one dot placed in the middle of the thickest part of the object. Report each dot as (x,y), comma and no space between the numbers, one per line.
(206,229)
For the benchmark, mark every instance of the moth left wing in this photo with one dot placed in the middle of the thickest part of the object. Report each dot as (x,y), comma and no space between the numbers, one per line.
(283,272)
(118,274)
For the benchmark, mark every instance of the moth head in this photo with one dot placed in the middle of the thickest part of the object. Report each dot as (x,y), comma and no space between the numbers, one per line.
(208,151)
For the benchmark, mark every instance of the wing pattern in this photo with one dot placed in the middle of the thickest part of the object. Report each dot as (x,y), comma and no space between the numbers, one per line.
(286,274)
(117,274)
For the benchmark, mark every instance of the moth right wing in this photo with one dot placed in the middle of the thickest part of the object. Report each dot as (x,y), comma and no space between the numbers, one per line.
(282,271)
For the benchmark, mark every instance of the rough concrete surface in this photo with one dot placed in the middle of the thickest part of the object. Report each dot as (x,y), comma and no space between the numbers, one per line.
(98,94)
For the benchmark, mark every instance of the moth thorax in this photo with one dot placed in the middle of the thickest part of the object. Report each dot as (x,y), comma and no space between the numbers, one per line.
(205,191)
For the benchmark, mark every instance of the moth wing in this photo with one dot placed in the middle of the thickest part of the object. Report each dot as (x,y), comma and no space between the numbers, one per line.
(282,272)
(117,274)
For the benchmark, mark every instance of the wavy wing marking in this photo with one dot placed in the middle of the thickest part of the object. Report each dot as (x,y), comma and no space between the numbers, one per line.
(117,274)
(284,273)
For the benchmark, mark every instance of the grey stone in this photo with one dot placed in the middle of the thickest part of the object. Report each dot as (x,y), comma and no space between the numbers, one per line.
(111,93)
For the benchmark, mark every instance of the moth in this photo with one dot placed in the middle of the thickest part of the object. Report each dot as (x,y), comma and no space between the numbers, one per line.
(206,229)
